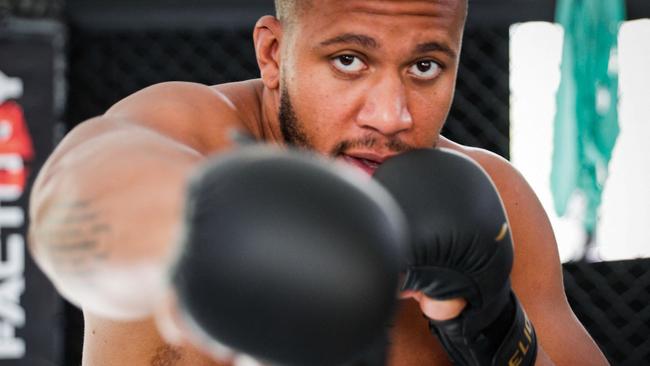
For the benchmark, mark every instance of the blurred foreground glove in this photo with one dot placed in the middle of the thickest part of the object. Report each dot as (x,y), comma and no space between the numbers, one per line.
(288,258)
(461,248)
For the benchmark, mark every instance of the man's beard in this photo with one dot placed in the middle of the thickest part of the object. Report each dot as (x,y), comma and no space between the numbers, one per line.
(294,135)
(292,132)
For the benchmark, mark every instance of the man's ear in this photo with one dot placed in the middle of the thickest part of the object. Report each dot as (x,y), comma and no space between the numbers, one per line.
(267,37)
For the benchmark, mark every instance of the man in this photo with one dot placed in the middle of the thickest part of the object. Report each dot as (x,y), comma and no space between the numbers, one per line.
(357,80)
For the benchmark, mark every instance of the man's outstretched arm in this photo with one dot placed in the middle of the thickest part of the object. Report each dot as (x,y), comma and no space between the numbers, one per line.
(105,207)
(104,216)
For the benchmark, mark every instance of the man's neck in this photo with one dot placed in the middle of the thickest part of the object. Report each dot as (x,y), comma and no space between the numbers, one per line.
(269,122)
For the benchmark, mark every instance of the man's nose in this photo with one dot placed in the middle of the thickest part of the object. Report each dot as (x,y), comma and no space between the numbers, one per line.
(385,107)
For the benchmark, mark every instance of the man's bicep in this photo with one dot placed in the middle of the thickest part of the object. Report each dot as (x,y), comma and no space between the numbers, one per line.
(105,217)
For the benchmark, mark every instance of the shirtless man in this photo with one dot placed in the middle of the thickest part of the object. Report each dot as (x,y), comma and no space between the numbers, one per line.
(358,80)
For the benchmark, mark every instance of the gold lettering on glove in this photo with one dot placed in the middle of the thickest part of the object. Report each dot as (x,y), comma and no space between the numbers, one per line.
(502,232)
(523,345)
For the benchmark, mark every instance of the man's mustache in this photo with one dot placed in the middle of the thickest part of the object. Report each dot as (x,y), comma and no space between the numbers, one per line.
(394,145)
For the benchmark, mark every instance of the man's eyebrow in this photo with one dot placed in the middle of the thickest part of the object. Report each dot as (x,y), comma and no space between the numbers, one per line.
(435,47)
(369,42)
(359,39)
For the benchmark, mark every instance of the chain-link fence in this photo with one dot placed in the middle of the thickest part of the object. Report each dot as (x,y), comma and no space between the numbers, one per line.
(107,66)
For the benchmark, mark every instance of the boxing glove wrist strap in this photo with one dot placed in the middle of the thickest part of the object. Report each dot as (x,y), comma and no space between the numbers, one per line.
(509,340)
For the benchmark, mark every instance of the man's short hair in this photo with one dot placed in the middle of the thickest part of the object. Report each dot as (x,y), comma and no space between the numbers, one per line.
(288,10)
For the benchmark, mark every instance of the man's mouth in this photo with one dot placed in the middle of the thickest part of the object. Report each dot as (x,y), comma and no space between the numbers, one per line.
(368,163)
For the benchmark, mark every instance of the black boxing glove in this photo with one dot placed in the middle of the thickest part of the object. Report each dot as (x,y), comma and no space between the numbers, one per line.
(288,258)
(461,248)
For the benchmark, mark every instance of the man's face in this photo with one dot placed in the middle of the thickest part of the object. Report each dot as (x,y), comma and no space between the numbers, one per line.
(363,80)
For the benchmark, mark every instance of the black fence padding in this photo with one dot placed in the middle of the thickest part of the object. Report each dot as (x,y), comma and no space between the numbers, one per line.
(74,332)
(33,9)
(31,319)
(612,300)
(480,113)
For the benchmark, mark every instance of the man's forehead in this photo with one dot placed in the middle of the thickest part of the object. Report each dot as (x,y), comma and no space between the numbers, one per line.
(326,18)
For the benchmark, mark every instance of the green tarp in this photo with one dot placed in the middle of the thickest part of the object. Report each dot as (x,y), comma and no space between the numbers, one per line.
(586,124)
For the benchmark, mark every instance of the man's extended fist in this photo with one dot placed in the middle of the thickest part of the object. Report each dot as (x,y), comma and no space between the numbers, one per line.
(287,257)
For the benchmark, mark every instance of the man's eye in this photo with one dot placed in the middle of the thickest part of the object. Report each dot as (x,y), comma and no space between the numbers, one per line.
(425,69)
(348,64)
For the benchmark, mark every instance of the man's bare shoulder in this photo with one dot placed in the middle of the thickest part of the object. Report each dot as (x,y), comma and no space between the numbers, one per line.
(497,167)
(194,114)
